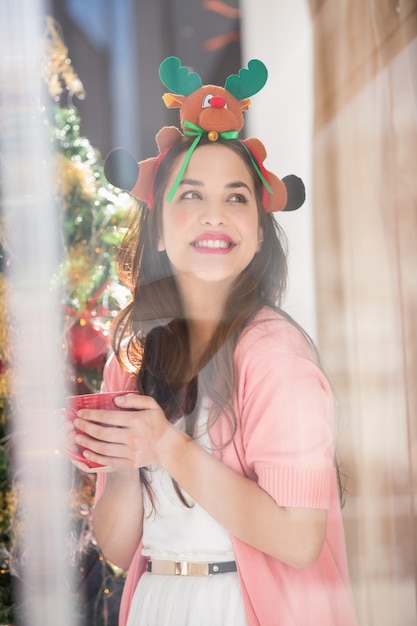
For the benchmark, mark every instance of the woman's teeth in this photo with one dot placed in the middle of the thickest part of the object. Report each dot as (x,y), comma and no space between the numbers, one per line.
(212,243)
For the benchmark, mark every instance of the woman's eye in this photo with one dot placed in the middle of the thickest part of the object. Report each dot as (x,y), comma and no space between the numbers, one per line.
(237,197)
(191,195)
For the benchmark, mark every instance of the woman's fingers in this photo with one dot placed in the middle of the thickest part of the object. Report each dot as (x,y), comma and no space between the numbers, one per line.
(120,418)
(67,430)
(122,438)
(102,432)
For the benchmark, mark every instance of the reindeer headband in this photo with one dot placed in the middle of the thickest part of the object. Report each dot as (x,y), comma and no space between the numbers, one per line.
(205,110)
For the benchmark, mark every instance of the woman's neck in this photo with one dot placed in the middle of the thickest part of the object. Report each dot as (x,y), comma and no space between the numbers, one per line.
(203,302)
(203,305)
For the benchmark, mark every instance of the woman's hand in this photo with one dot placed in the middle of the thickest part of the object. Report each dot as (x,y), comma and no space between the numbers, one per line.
(70,447)
(125,439)
(140,435)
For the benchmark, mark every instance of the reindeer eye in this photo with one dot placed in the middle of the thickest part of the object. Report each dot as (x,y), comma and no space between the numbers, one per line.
(206,101)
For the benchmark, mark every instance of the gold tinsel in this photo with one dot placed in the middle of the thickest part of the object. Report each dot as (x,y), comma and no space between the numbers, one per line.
(79,266)
(74,174)
(57,69)
(4,342)
(8,510)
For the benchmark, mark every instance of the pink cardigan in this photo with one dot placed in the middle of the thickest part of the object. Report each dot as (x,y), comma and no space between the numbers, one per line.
(285,443)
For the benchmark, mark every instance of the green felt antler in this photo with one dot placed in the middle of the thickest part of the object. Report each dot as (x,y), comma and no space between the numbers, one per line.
(177,78)
(247,82)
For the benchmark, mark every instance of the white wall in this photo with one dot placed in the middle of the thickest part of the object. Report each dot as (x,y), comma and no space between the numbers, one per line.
(279,33)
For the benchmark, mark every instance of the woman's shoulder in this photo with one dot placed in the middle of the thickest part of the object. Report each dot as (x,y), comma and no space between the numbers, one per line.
(273,350)
(272,331)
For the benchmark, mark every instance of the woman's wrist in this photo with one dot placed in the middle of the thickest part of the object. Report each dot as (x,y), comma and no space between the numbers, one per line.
(121,477)
(171,447)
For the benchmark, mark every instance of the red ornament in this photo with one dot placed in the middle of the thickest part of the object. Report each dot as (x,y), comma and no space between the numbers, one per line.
(87,345)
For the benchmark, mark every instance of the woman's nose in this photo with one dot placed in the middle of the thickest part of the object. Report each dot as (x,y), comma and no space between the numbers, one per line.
(213,215)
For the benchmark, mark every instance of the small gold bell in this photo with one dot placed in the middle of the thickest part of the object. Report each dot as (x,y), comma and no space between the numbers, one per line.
(213,135)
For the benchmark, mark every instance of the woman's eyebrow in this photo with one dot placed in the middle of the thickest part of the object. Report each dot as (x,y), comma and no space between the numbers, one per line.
(236,184)
(191,181)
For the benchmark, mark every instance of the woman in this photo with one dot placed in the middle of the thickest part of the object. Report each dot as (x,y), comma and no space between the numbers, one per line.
(222,499)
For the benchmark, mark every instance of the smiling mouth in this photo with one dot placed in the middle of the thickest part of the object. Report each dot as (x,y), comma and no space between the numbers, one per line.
(216,244)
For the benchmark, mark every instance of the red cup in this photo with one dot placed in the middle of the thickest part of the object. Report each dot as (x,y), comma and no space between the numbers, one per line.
(104,401)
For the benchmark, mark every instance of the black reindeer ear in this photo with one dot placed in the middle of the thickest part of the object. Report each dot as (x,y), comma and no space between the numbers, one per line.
(296,192)
(121,169)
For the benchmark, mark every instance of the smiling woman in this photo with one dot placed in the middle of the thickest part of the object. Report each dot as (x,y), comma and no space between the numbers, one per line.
(222,496)
(213,216)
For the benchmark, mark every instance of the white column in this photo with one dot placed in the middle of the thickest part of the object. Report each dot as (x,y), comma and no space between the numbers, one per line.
(30,219)
(279,33)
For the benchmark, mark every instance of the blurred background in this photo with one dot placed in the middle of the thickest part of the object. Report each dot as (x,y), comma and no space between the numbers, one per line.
(340,110)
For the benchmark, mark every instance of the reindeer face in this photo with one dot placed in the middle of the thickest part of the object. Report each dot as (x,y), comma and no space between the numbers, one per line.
(212,108)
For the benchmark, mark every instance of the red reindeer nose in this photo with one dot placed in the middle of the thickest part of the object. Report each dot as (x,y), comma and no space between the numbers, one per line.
(217,102)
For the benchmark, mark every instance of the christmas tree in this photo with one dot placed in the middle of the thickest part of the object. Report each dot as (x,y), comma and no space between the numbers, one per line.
(91,216)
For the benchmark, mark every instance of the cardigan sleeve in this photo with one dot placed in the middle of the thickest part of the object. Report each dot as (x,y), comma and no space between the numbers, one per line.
(115,378)
(286,414)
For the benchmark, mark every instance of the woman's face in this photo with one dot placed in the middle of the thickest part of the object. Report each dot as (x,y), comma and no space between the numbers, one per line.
(210,229)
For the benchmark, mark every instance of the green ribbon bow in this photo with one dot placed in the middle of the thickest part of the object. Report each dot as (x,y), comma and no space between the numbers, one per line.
(192,130)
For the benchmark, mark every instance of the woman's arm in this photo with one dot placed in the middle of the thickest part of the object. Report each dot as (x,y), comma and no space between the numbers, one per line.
(118,507)
(118,517)
(145,437)
(293,535)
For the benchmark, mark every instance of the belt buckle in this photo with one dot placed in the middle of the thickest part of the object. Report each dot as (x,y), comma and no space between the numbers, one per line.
(187,568)
(181,568)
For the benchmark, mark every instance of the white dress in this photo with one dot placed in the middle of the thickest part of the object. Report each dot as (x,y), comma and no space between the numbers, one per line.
(174,532)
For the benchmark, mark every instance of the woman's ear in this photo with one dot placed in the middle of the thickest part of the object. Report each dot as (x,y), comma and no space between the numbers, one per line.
(161,244)
(260,238)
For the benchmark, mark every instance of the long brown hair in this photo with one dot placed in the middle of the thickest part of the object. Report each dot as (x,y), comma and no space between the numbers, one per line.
(152,332)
